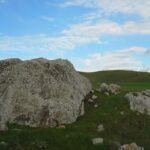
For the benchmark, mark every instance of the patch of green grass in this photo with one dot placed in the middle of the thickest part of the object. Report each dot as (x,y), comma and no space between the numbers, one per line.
(117,76)
(127,128)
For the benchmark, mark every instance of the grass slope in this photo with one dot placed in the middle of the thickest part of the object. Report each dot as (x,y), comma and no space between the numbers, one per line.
(117,76)
(130,127)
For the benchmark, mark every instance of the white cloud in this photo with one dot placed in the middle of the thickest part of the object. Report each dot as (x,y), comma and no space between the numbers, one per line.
(84,33)
(118,60)
(85,3)
(42,43)
(34,43)
(97,30)
(140,7)
(92,30)
(136,50)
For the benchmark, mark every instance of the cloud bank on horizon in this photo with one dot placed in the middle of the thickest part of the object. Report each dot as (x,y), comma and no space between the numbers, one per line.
(93,34)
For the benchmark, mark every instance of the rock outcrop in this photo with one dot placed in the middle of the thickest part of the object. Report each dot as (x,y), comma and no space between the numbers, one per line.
(40,92)
(109,89)
(139,101)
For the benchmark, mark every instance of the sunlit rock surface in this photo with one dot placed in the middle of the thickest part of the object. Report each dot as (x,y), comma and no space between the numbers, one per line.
(40,92)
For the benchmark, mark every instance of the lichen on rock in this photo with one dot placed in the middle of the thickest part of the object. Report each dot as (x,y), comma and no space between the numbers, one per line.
(40,92)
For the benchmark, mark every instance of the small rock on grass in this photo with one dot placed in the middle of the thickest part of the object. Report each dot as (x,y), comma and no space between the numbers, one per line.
(97,141)
(95,105)
(94,97)
(91,101)
(122,113)
(106,93)
(42,145)
(100,128)
(3,143)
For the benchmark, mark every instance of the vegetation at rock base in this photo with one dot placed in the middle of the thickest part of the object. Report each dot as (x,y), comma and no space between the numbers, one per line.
(119,128)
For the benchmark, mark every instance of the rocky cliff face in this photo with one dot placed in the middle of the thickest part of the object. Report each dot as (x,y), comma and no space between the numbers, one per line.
(40,92)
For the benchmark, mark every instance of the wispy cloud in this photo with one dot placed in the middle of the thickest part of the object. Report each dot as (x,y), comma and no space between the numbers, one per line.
(97,30)
(95,26)
(120,59)
(34,43)
(84,3)
(42,43)
(140,7)
(84,33)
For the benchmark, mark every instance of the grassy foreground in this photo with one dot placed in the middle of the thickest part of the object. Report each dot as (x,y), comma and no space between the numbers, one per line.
(127,128)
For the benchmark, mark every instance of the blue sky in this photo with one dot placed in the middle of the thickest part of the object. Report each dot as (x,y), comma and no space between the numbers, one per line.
(93,34)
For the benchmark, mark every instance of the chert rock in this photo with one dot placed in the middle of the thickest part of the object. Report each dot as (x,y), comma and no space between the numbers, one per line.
(40,92)
(139,101)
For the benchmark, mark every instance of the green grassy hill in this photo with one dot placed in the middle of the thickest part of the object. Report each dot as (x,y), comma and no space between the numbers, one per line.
(119,129)
(117,76)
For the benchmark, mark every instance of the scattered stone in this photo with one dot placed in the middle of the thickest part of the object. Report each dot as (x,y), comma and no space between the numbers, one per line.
(132,146)
(3,143)
(109,89)
(139,101)
(96,141)
(91,101)
(42,145)
(106,93)
(95,105)
(122,113)
(38,92)
(94,97)
(100,128)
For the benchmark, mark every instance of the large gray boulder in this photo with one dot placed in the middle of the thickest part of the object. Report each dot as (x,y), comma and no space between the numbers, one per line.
(139,101)
(40,92)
